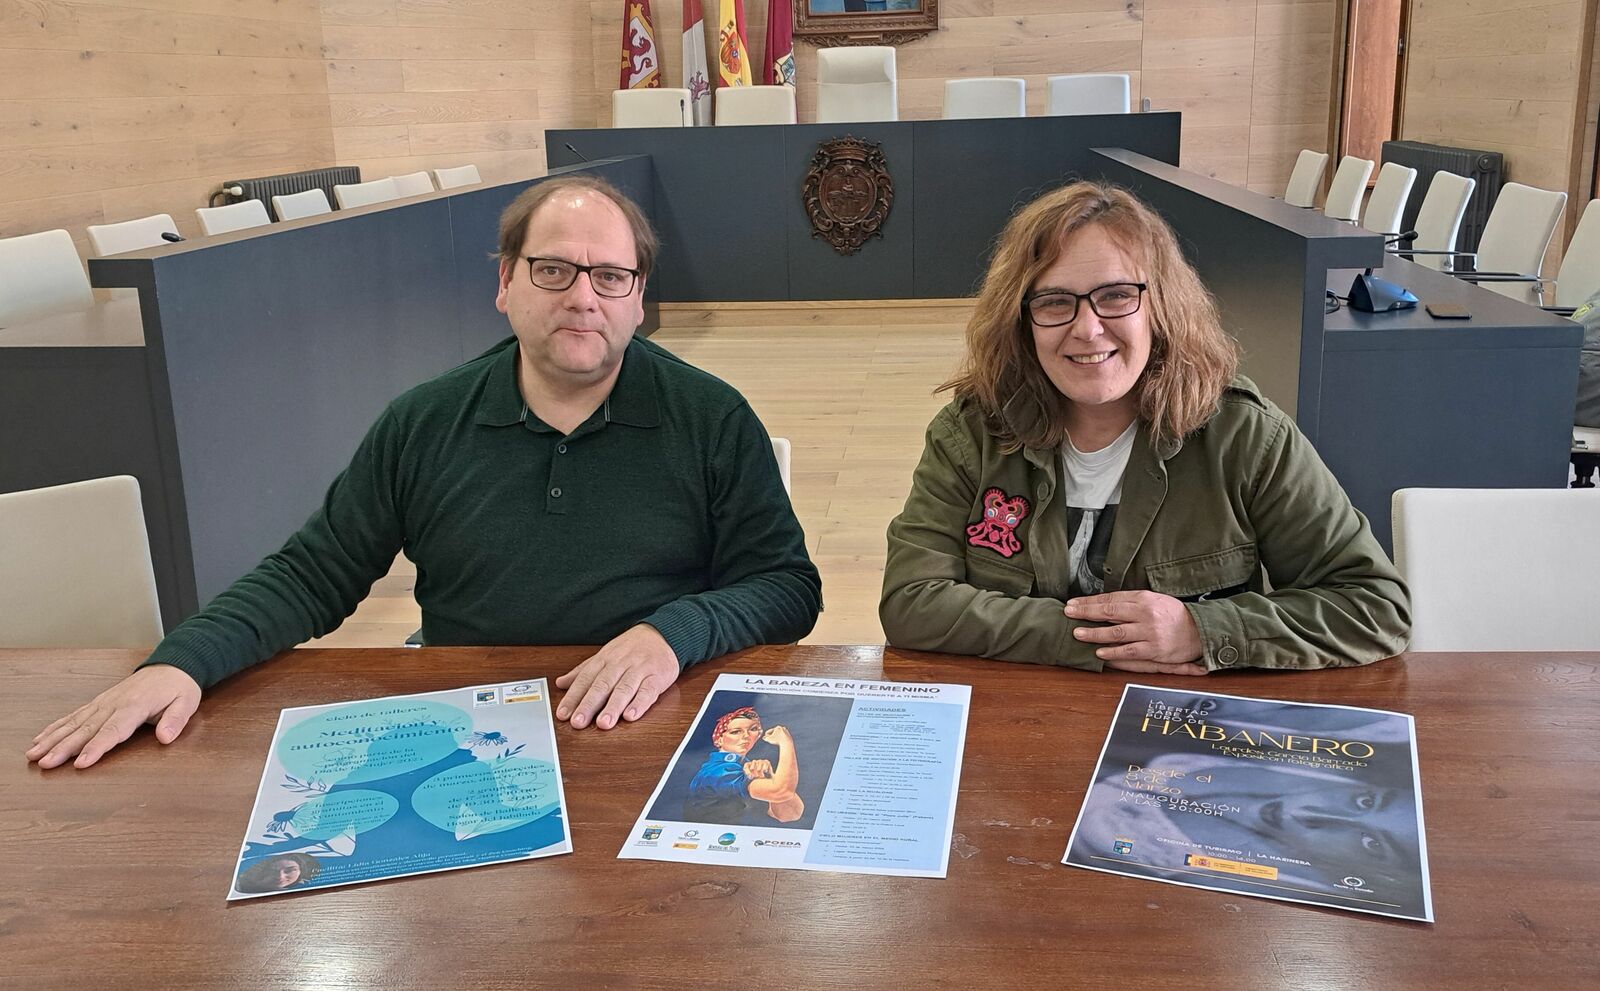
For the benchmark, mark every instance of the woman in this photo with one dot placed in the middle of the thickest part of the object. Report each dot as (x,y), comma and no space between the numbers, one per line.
(1105,492)
(728,785)
(278,873)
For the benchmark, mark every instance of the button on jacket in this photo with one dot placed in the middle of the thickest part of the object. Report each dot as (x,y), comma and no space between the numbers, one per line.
(1241,521)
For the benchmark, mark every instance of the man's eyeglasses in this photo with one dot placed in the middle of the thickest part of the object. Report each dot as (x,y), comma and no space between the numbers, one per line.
(1055,307)
(558,275)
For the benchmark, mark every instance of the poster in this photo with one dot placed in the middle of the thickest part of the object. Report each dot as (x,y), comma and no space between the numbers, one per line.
(412,784)
(1318,804)
(814,774)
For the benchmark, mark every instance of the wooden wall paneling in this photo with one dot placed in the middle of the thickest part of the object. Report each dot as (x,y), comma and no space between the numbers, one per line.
(1502,75)
(120,108)
(1200,59)
(1290,88)
(1581,144)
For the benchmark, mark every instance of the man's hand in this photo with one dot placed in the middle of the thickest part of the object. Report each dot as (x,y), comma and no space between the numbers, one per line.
(159,694)
(1151,633)
(632,671)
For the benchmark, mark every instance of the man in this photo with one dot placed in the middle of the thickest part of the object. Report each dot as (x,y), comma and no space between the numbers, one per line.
(573,485)
(1587,413)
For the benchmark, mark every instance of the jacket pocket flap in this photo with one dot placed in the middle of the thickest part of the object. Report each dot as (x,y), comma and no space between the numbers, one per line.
(1219,571)
(998,577)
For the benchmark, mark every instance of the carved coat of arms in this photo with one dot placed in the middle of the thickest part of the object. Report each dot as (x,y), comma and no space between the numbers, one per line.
(848,193)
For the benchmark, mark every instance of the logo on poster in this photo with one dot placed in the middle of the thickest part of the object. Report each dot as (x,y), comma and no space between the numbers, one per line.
(652,833)
(726,839)
(485,696)
(787,844)
(1123,847)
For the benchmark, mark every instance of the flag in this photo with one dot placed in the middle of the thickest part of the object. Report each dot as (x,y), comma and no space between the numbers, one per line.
(695,79)
(733,62)
(641,64)
(778,70)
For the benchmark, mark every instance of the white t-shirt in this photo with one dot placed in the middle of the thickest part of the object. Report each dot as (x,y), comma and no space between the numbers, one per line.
(1091,489)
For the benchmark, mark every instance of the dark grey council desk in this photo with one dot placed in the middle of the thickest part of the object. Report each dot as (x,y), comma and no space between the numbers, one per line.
(264,355)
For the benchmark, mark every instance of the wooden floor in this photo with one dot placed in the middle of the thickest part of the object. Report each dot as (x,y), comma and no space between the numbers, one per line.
(850,385)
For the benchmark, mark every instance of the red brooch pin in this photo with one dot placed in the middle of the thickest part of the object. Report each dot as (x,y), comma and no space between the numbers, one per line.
(997,529)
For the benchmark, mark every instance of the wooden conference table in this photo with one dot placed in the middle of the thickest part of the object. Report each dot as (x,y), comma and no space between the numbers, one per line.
(115,877)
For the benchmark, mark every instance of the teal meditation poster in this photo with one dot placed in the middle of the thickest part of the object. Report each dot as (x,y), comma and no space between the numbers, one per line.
(391,787)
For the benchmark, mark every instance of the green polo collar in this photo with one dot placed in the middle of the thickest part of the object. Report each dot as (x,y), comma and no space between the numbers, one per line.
(634,399)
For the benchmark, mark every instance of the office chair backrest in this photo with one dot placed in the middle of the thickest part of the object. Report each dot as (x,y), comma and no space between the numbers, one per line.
(413,183)
(76,569)
(1517,234)
(461,175)
(40,276)
(755,105)
(651,108)
(857,84)
(233,216)
(780,451)
(293,206)
(1580,266)
(131,235)
(1088,93)
(1500,569)
(994,96)
(1439,218)
(1304,180)
(1388,200)
(365,193)
(1348,186)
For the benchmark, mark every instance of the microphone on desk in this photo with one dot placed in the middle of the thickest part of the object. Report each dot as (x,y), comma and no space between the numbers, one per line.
(1374,295)
(683,111)
(170,236)
(575,151)
(1406,236)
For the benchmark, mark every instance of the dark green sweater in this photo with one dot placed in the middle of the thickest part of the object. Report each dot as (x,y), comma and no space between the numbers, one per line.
(664,507)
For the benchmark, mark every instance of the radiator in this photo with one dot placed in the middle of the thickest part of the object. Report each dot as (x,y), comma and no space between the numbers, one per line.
(1484,166)
(266,187)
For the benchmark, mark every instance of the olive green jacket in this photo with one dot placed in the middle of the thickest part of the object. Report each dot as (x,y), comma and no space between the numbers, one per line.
(1241,521)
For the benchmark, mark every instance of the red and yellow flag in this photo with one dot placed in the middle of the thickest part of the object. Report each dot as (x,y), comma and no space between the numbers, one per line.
(641,64)
(778,69)
(733,59)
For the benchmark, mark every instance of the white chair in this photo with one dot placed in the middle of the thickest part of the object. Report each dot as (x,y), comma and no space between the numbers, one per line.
(1348,186)
(1439,220)
(461,175)
(1390,194)
(1511,251)
(131,235)
(293,206)
(413,183)
(1500,569)
(651,108)
(780,451)
(76,568)
(1304,180)
(232,217)
(993,96)
(365,193)
(755,105)
(1088,93)
(40,276)
(1579,276)
(857,84)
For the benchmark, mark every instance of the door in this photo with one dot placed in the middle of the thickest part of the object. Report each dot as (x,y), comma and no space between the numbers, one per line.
(1374,71)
